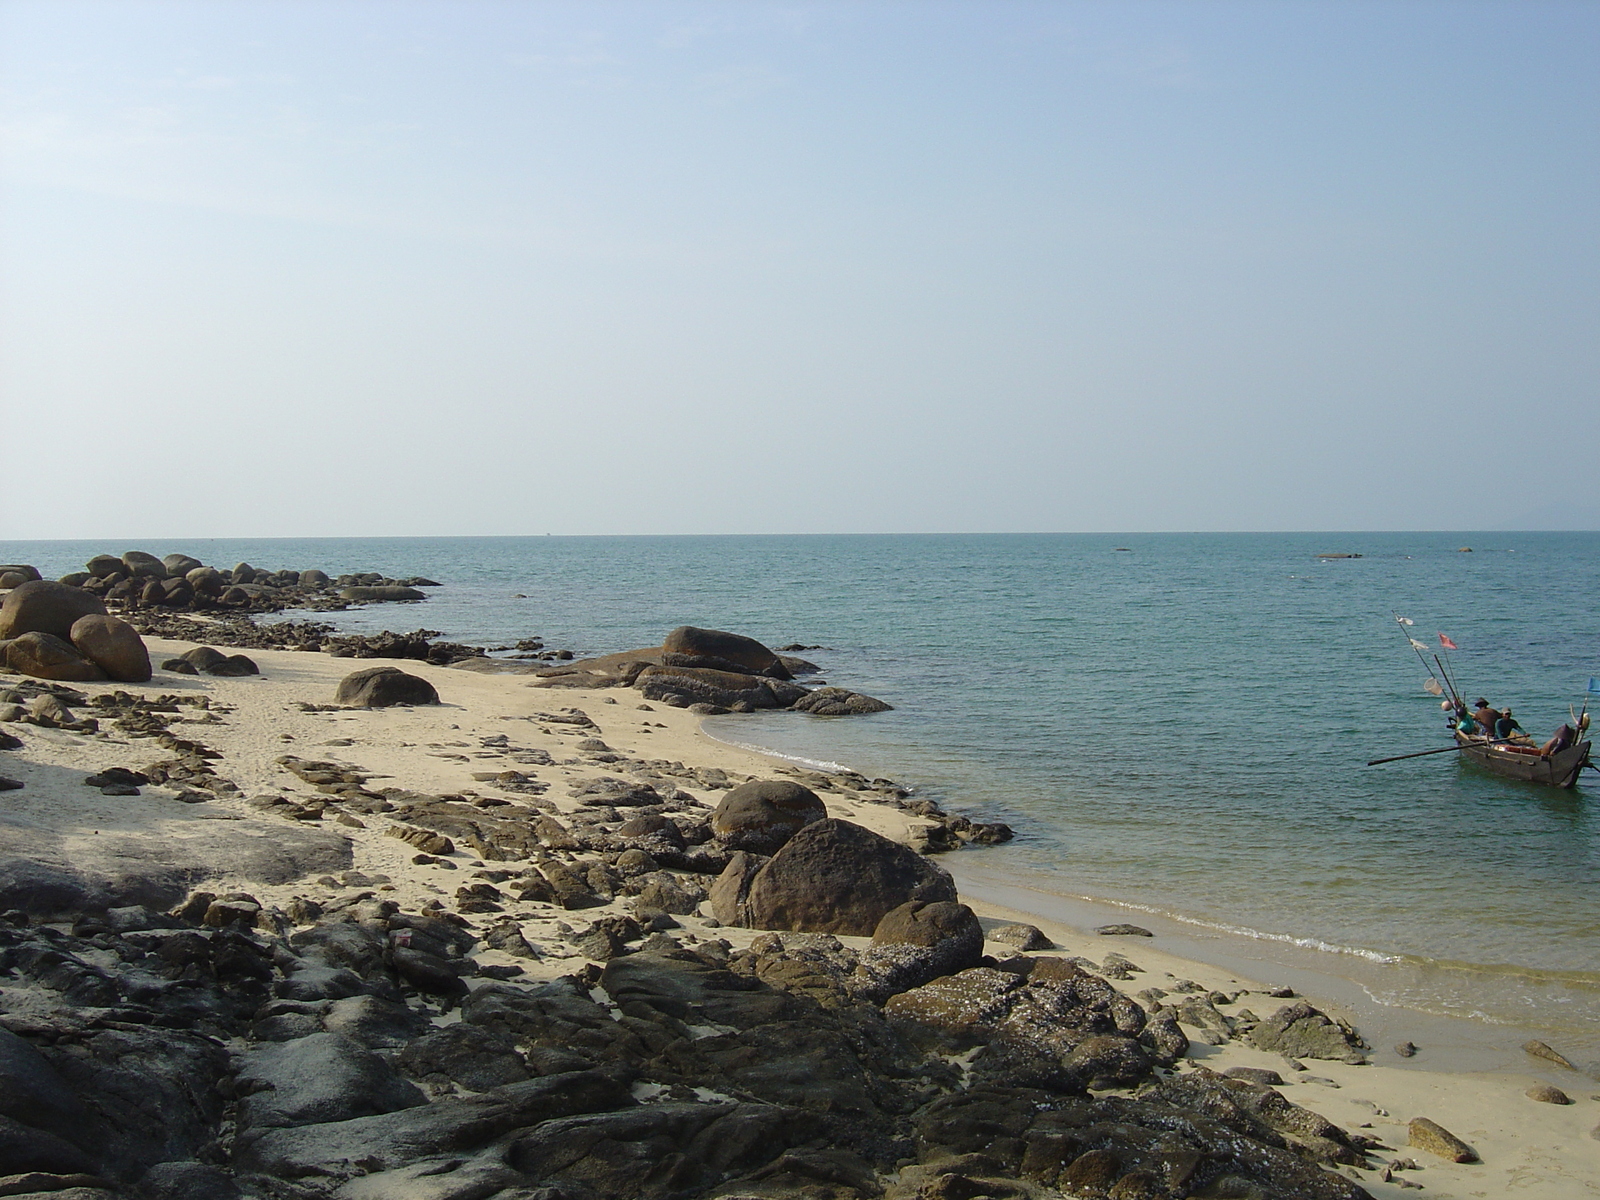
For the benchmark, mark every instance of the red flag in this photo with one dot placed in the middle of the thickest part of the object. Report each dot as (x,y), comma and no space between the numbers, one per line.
(1447,643)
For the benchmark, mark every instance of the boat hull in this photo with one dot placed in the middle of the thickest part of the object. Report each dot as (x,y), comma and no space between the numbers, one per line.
(1556,770)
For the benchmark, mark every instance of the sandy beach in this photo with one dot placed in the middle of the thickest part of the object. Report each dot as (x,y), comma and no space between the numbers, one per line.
(488,724)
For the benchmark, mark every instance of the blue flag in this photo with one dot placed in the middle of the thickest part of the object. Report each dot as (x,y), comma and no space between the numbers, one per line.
(1594,686)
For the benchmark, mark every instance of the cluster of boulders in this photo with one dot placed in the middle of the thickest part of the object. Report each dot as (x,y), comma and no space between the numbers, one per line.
(179,581)
(712,672)
(56,631)
(341,1047)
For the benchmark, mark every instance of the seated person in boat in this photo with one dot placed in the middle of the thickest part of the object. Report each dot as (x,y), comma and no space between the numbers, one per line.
(1464,724)
(1486,717)
(1563,738)
(1506,728)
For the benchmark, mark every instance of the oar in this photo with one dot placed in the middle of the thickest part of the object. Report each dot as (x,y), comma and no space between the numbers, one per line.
(1442,750)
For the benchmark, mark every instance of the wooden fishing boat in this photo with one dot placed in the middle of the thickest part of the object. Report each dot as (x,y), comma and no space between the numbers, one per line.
(1517,761)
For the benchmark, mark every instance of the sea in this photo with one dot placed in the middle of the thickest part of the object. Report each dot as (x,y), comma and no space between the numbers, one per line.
(1177,726)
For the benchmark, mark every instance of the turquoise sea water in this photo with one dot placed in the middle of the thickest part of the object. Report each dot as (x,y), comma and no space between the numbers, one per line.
(1179,726)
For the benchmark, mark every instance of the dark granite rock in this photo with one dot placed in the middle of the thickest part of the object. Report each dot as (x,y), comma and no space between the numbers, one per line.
(837,877)
(1300,1031)
(689,646)
(838,702)
(343,1149)
(382,687)
(474,1057)
(760,816)
(324,1077)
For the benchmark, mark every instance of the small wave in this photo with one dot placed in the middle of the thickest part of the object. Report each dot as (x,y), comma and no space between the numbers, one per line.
(1244,931)
(816,764)
(1286,939)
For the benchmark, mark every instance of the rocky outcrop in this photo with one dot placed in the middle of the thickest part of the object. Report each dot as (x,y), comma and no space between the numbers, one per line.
(726,689)
(725,672)
(227,1049)
(837,877)
(688,646)
(383,687)
(838,702)
(382,592)
(760,816)
(139,581)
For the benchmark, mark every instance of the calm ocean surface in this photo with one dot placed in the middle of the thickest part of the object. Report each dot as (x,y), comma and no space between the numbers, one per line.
(1180,727)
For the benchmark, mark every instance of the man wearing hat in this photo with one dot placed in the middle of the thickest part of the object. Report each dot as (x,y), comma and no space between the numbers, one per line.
(1487,718)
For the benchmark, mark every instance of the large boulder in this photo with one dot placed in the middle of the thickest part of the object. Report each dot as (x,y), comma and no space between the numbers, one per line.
(730,894)
(382,687)
(45,656)
(179,565)
(688,646)
(114,646)
(916,944)
(39,1113)
(14,575)
(763,814)
(140,564)
(324,1077)
(206,581)
(45,606)
(837,877)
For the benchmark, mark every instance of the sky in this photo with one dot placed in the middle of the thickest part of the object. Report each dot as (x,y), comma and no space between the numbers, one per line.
(315,268)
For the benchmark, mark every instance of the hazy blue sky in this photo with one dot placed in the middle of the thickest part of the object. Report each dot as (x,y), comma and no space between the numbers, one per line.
(316,268)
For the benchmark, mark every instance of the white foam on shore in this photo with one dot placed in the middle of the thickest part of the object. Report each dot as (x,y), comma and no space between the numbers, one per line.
(816,764)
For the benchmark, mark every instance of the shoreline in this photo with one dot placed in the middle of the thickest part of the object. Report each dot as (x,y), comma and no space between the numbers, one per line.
(1475,1043)
(1475,1070)
(1528,1148)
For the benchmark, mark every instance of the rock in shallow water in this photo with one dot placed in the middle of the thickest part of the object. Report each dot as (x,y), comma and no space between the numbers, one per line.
(689,646)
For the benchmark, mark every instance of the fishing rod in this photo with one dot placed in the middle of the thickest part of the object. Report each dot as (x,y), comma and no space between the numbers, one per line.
(1416,646)
(1455,694)
(1448,646)
(1443,750)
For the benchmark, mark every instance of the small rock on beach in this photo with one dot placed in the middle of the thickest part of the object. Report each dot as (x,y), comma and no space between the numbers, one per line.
(1436,1139)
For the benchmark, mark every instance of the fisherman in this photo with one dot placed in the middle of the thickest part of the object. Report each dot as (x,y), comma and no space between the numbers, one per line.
(1563,738)
(1488,719)
(1506,727)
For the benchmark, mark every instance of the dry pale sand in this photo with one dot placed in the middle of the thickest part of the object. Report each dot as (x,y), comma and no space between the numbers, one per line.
(1528,1148)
